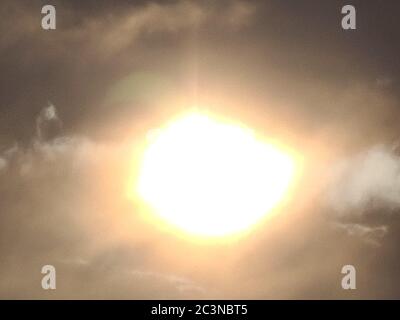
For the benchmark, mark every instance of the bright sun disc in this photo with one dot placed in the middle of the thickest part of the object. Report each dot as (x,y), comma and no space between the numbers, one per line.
(211,178)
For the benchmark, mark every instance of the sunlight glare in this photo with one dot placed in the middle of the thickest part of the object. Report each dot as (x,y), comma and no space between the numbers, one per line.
(211,178)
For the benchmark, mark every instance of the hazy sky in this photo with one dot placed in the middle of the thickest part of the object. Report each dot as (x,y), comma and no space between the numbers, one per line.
(76,102)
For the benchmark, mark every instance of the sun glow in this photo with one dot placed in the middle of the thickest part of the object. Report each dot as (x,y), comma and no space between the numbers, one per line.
(212,178)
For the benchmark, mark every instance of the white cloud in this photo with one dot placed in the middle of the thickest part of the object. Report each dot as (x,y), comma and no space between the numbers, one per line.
(370,179)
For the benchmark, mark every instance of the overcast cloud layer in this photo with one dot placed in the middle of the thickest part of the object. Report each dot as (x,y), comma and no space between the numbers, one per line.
(77,102)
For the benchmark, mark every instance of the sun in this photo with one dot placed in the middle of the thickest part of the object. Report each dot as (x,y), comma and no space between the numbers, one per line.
(211,178)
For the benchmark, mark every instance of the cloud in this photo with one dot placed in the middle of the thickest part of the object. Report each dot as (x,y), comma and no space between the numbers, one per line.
(367,180)
(8,156)
(111,36)
(371,235)
(50,146)
(48,124)
(238,14)
(3,164)
(182,284)
(364,187)
(72,213)
(109,33)
(62,196)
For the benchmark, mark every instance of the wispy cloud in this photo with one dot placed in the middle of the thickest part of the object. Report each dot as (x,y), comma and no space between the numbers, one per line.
(110,34)
(370,234)
(182,284)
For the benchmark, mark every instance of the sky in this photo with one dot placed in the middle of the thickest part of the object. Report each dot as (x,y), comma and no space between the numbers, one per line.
(77,102)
